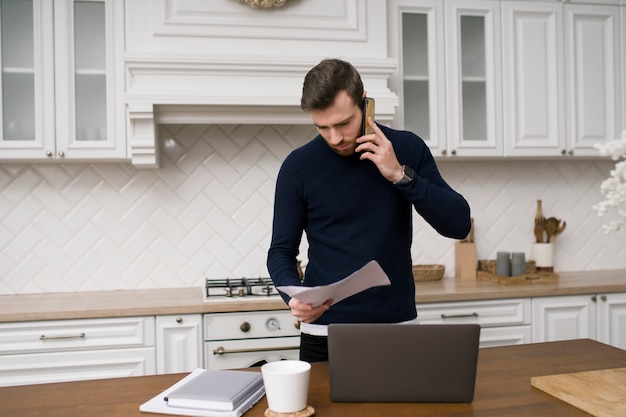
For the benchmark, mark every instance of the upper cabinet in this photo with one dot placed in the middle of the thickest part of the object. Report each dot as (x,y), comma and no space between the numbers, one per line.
(561,77)
(508,78)
(62,80)
(448,78)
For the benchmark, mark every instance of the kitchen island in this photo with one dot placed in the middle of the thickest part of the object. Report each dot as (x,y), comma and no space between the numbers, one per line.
(502,388)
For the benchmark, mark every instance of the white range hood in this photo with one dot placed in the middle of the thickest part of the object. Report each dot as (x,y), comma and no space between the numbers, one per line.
(228,90)
(224,62)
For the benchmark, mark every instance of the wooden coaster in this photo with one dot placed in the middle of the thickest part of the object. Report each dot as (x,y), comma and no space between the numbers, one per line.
(307,412)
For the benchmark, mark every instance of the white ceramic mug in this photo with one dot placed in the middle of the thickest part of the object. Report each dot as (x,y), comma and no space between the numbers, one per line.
(286,385)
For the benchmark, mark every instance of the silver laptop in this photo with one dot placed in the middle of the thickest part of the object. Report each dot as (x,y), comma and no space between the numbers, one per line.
(403,362)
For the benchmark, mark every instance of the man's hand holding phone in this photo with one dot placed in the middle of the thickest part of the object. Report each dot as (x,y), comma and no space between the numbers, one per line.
(378,149)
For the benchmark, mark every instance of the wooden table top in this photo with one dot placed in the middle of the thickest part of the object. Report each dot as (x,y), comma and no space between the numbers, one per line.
(502,388)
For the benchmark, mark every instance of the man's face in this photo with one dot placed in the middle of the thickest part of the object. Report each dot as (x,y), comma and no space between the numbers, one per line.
(339,124)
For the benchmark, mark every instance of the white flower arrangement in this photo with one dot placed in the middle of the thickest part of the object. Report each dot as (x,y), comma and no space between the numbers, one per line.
(614,187)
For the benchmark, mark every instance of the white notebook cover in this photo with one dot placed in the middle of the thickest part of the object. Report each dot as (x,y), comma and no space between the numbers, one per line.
(158,405)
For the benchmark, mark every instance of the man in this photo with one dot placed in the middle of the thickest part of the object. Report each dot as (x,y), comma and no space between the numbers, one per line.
(353,196)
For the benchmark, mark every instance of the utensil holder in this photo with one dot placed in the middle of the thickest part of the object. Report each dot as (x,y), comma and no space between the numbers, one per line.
(465,260)
(543,255)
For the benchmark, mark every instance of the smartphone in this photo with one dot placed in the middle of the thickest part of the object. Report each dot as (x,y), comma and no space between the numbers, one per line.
(368,111)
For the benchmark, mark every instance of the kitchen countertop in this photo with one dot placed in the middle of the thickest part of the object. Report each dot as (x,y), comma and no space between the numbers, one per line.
(125,303)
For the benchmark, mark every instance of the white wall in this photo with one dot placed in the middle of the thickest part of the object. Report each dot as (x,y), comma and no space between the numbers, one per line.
(207,213)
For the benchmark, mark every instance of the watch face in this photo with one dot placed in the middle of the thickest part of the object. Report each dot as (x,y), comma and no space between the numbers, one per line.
(407,174)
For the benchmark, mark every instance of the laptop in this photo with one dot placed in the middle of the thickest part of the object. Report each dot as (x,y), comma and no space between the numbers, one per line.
(434,363)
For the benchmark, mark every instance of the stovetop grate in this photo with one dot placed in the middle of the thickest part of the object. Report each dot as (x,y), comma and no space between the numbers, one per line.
(240,287)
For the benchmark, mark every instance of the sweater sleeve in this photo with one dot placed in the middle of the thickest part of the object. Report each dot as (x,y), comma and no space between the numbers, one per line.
(444,209)
(287,228)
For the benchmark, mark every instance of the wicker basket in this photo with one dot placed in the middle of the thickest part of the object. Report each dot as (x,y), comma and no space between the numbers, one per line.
(428,272)
(489,265)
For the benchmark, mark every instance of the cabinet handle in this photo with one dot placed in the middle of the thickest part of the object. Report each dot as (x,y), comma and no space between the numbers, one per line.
(603,297)
(61,336)
(453,152)
(563,152)
(444,152)
(222,351)
(458,316)
(594,298)
(61,154)
(179,320)
(48,154)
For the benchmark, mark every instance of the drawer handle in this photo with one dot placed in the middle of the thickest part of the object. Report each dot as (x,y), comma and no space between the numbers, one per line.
(61,336)
(458,316)
(221,351)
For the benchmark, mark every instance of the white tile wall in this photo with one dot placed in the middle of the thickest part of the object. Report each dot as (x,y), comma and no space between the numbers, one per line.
(207,213)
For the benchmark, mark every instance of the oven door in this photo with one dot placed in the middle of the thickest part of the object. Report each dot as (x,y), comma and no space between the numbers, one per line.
(245,353)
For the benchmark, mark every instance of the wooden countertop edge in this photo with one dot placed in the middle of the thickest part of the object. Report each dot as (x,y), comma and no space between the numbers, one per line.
(172,301)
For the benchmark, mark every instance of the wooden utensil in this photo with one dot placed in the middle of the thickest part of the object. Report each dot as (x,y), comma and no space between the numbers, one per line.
(551,226)
(539,223)
(558,231)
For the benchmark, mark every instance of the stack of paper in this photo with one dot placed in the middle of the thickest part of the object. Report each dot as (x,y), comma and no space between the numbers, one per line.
(215,393)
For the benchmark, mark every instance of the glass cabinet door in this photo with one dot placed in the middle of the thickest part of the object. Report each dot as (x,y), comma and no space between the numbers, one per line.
(18,70)
(90,71)
(61,84)
(26,60)
(421,88)
(474,95)
(85,74)
(450,86)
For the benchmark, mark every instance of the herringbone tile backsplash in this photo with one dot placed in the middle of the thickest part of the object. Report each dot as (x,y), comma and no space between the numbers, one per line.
(207,212)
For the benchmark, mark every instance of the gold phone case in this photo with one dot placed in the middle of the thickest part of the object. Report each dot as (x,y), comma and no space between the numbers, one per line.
(368,111)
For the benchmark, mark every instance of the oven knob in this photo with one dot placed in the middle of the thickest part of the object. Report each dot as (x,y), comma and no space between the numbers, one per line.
(272,324)
(245,327)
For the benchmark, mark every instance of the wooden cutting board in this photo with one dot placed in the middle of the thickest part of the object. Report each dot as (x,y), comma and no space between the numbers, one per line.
(599,393)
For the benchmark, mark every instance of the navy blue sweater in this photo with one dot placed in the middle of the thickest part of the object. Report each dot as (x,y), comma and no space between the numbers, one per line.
(351,214)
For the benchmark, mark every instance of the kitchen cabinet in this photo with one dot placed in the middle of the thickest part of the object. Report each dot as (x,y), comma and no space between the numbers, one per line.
(62,80)
(595,316)
(611,319)
(561,72)
(179,343)
(448,80)
(70,350)
(508,78)
(502,322)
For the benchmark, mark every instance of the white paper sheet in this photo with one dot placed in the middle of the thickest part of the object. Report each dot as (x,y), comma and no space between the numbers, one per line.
(371,275)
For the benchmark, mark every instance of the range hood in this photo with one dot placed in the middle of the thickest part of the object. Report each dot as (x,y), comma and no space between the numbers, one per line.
(228,90)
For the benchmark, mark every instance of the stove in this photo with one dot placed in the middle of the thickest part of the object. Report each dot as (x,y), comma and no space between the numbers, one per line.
(238,288)
(247,338)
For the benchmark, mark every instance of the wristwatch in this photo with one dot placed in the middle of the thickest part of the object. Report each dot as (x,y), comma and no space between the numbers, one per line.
(407,176)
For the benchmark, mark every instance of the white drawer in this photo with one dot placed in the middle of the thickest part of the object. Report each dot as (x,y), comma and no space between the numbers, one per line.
(39,368)
(66,335)
(488,313)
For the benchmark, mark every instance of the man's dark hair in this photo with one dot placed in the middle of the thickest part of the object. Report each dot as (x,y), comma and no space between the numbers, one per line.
(324,81)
